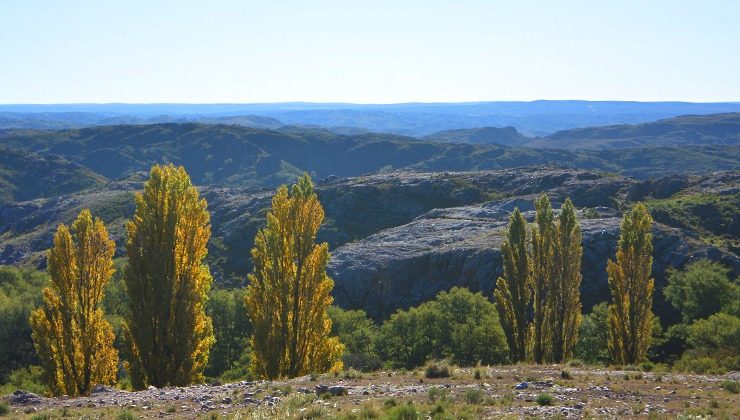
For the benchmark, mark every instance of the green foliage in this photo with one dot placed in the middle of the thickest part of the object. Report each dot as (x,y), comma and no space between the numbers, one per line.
(20,293)
(29,378)
(358,333)
(125,415)
(731,386)
(702,289)
(231,329)
(713,215)
(512,293)
(457,325)
(713,345)
(544,399)
(592,345)
(474,396)
(541,282)
(404,412)
(4,409)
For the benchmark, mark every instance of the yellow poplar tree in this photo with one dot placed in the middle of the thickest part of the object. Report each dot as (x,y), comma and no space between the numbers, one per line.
(630,311)
(512,294)
(289,290)
(542,275)
(73,340)
(564,300)
(168,333)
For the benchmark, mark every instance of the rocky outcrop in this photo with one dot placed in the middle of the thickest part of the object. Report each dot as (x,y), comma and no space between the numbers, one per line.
(406,265)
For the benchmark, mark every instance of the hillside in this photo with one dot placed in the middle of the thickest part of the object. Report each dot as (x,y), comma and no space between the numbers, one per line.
(240,156)
(26,175)
(714,129)
(505,136)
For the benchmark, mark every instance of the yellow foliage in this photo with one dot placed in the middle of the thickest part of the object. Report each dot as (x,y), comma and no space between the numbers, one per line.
(168,333)
(630,311)
(289,290)
(72,338)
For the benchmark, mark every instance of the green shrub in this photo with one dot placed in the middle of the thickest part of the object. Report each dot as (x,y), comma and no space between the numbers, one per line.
(404,412)
(545,399)
(436,393)
(647,366)
(592,336)
(712,345)
(474,396)
(731,386)
(564,374)
(4,409)
(437,370)
(125,415)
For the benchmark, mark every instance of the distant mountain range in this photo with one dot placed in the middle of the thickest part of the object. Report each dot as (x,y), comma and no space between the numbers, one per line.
(713,129)
(537,118)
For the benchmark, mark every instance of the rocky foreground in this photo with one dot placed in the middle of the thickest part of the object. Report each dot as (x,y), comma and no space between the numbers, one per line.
(500,391)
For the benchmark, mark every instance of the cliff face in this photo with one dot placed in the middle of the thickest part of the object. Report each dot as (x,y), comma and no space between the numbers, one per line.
(399,237)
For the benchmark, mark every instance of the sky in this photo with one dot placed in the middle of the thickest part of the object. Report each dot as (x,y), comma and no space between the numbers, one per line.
(367,51)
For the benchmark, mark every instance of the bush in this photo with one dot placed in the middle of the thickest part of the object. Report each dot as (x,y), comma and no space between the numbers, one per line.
(436,393)
(404,412)
(30,379)
(545,399)
(437,370)
(564,374)
(457,325)
(474,396)
(4,409)
(731,386)
(125,415)
(712,345)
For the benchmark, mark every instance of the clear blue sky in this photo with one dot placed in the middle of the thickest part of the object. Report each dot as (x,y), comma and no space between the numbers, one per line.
(370,51)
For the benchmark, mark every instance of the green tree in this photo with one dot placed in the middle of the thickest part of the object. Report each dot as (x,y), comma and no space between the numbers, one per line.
(564,299)
(542,281)
(72,338)
(630,311)
(289,290)
(458,325)
(20,294)
(703,288)
(231,328)
(167,331)
(358,333)
(592,345)
(512,290)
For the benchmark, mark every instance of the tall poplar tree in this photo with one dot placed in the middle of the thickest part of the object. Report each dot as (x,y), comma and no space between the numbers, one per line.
(542,276)
(564,300)
(289,290)
(168,333)
(73,340)
(512,294)
(630,310)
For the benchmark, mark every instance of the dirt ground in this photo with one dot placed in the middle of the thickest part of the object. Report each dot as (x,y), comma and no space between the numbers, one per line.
(551,391)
